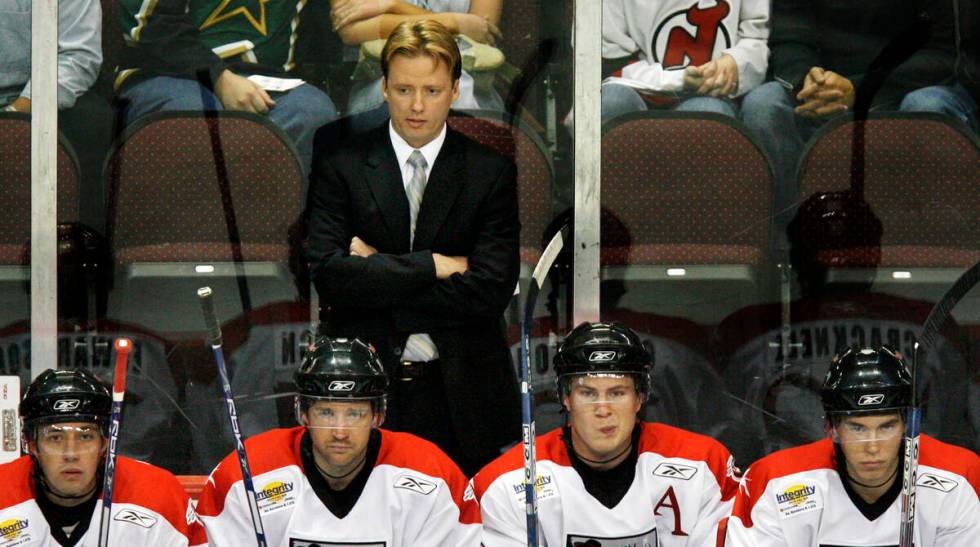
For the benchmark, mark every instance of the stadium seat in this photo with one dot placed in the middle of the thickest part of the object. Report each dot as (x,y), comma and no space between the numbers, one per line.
(15,200)
(195,200)
(691,196)
(919,177)
(535,174)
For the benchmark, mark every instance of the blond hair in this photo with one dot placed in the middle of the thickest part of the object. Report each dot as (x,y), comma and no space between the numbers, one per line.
(423,37)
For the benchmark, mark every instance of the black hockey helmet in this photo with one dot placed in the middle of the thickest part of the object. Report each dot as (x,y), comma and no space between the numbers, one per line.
(341,368)
(603,348)
(867,380)
(59,396)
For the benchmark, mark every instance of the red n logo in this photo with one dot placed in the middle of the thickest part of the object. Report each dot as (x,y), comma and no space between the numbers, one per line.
(696,49)
(669,501)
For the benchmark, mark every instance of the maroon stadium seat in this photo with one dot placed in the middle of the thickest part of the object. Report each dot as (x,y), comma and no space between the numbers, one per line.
(179,183)
(920,178)
(15,201)
(691,192)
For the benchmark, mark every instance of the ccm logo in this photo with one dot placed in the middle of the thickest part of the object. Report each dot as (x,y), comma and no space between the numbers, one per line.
(341,385)
(602,356)
(65,405)
(875,399)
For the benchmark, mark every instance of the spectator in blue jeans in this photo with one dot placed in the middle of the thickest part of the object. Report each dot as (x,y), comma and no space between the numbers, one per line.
(826,54)
(212,55)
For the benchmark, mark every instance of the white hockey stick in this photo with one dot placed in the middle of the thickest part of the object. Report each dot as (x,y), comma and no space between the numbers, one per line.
(214,340)
(527,400)
(930,330)
(123,347)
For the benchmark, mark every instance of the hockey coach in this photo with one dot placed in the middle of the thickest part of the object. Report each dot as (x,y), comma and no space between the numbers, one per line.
(413,245)
(607,478)
(845,489)
(53,495)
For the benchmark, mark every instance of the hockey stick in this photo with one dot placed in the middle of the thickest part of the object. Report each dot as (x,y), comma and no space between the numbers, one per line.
(527,401)
(930,330)
(214,339)
(122,346)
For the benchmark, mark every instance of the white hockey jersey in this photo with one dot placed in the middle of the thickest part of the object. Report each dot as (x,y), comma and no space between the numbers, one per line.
(671,35)
(795,498)
(414,496)
(684,485)
(149,508)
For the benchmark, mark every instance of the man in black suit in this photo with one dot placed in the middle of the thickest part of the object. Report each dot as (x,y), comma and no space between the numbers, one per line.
(425,280)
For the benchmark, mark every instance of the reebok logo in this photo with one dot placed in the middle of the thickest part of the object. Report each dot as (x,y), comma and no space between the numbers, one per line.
(936,483)
(874,399)
(415,484)
(602,356)
(66,405)
(675,471)
(137,518)
(341,385)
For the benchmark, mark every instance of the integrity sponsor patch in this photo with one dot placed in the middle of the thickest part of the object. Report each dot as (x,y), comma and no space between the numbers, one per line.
(796,499)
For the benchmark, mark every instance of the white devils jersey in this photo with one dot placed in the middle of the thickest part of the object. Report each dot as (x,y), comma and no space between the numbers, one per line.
(151,393)
(794,498)
(149,508)
(415,496)
(671,35)
(684,485)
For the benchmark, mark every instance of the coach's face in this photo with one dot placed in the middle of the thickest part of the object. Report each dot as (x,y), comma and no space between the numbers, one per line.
(870,445)
(69,455)
(602,412)
(419,91)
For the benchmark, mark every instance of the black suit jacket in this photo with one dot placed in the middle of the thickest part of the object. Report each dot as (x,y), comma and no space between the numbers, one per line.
(469,209)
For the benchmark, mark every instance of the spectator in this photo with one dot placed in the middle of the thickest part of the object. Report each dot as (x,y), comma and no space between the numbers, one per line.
(83,113)
(968,57)
(216,55)
(691,56)
(828,54)
(431,297)
(360,21)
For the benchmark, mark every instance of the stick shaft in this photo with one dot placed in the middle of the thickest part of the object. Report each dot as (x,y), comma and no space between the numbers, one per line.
(122,347)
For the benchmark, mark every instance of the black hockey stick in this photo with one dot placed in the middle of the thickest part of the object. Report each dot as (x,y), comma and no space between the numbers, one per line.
(123,347)
(214,340)
(527,401)
(930,330)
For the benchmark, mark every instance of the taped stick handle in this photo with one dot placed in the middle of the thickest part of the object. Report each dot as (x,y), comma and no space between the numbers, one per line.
(210,319)
(122,346)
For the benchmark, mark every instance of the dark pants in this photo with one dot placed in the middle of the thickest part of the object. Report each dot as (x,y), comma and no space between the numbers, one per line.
(88,126)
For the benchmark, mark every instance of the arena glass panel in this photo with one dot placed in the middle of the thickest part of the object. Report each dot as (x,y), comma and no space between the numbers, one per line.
(747,243)
(192,170)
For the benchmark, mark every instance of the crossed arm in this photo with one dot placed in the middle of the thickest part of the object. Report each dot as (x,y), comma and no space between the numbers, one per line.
(358,21)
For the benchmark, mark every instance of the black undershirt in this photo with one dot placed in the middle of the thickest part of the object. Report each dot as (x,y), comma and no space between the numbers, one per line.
(871,511)
(60,517)
(609,486)
(339,502)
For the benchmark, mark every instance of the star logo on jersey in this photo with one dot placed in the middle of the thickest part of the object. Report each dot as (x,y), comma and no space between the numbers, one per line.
(873,399)
(936,483)
(135,517)
(252,10)
(743,483)
(415,484)
(602,356)
(675,471)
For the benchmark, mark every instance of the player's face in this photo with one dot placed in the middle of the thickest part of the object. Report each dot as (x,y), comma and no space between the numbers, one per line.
(419,91)
(870,445)
(602,412)
(69,455)
(340,431)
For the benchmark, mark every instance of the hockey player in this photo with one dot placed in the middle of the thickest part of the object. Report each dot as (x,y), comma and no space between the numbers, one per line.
(339,479)
(844,490)
(52,495)
(607,479)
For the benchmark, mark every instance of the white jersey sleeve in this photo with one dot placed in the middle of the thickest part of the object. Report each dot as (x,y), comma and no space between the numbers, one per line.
(751,49)
(617,42)
(753,523)
(503,524)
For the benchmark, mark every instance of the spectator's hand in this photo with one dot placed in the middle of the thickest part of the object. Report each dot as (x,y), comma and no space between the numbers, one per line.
(239,93)
(824,93)
(692,79)
(478,28)
(719,77)
(22,104)
(359,248)
(345,12)
(446,266)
